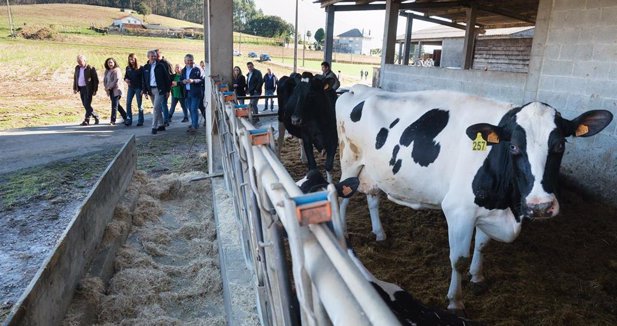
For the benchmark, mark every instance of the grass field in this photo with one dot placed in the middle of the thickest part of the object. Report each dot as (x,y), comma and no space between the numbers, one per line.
(36,75)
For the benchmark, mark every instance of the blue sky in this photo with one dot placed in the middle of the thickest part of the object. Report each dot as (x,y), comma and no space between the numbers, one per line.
(312,17)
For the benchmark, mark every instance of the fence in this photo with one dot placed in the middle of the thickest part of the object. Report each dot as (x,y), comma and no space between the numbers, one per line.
(324,286)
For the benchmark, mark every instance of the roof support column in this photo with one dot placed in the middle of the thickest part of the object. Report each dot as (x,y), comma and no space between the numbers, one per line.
(400,53)
(470,36)
(408,27)
(218,33)
(389,37)
(327,53)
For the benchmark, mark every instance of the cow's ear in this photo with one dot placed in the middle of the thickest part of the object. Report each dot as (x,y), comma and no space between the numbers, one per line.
(589,123)
(347,187)
(491,134)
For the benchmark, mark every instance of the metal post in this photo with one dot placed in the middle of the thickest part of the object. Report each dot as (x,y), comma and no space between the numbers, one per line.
(303,48)
(11,26)
(327,54)
(470,36)
(408,27)
(296,41)
(389,37)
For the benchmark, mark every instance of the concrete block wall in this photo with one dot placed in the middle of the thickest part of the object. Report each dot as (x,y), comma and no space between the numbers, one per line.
(502,86)
(578,72)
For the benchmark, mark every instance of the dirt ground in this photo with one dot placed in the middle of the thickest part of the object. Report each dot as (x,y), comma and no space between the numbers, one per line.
(37,203)
(558,272)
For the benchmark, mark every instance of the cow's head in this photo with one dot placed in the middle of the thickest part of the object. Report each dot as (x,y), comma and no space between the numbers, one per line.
(314,181)
(528,146)
(299,104)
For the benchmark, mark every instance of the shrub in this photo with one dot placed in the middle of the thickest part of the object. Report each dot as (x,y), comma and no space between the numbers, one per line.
(38,33)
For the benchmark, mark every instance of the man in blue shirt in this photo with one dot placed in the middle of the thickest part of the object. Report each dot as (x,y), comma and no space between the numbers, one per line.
(270,86)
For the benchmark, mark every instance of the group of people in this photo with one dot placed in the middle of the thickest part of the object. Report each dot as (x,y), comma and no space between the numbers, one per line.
(156,80)
(251,86)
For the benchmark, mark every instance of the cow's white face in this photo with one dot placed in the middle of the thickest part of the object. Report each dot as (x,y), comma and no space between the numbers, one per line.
(522,168)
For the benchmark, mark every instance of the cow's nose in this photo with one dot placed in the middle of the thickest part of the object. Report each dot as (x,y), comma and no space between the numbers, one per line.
(541,210)
(296,121)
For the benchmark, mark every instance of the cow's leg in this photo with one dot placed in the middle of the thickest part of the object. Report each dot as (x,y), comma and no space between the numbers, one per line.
(460,231)
(308,151)
(477,275)
(343,212)
(281,139)
(373,208)
(330,153)
(303,158)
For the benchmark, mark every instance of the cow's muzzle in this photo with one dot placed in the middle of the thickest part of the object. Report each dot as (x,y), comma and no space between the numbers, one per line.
(543,210)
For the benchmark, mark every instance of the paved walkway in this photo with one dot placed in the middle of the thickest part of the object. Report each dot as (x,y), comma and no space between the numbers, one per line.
(28,147)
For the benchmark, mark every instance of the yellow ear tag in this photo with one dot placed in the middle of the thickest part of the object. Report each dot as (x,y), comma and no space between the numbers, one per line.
(479,144)
(581,130)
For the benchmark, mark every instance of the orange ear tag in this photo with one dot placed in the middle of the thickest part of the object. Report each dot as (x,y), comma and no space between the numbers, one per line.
(493,138)
(581,130)
(479,144)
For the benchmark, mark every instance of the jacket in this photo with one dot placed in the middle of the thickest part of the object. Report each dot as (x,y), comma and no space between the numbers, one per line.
(161,75)
(178,90)
(196,89)
(113,82)
(241,88)
(331,74)
(92,79)
(270,82)
(134,76)
(254,83)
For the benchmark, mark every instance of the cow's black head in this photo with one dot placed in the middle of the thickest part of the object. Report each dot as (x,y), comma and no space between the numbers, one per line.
(522,168)
(300,101)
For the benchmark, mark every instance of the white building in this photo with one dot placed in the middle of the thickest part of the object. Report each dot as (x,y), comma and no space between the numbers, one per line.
(352,41)
(128,19)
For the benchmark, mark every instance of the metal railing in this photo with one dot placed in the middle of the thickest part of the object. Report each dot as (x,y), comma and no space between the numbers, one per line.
(326,287)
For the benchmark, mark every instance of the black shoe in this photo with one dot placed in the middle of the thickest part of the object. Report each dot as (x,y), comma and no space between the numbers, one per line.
(96,120)
(154,131)
(166,124)
(265,109)
(85,123)
(161,128)
(139,124)
(113,123)
(185,120)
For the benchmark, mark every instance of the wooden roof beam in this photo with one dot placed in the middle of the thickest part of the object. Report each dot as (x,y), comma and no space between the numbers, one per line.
(506,13)
(479,27)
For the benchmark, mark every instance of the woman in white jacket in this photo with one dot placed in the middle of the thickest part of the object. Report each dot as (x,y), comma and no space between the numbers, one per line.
(114,87)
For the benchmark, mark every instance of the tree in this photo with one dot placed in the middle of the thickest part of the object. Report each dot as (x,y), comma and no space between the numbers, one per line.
(143,9)
(243,12)
(269,26)
(320,35)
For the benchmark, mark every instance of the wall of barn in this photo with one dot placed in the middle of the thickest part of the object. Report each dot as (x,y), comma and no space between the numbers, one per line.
(573,67)
(578,72)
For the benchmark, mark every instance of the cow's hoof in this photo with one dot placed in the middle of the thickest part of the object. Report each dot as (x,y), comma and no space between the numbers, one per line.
(380,237)
(458,312)
(478,288)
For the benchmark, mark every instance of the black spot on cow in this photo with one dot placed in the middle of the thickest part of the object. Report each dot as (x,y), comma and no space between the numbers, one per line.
(422,133)
(382,136)
(396,164)
(356,113)
(394,123)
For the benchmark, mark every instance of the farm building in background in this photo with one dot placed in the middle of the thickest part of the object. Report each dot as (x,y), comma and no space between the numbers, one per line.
(128,19)
(353,41)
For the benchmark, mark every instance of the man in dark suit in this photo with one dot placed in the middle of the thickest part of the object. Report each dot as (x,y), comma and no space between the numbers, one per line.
(254,81)
(192,78)
(86,82)
(157,84)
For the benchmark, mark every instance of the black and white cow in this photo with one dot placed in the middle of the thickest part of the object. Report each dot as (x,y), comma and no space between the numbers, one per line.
(306,108)
(412,146)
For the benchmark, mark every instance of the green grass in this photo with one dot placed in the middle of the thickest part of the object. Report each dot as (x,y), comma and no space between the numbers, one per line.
(52,180)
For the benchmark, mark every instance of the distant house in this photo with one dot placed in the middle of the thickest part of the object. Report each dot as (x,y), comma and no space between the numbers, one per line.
(352,41)
(128,19)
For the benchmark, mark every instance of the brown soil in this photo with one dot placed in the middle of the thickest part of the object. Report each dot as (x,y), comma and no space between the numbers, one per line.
(558,272)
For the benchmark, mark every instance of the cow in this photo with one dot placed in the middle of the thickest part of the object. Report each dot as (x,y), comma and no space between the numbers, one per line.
(306,109)
(487,165)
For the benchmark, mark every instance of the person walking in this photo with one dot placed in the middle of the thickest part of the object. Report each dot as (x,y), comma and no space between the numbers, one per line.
(254,83)
(133,79)
(177,95)
(239,83)
(270,86)
(157,84)
(202,107)
(86,82)
(165,107)
(192,79)
(114,87)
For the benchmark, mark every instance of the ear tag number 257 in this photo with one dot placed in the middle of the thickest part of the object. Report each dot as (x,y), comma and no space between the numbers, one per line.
(479,144)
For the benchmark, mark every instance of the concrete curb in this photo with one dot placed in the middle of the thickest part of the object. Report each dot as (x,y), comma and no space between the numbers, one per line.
(238,280)
(49,294)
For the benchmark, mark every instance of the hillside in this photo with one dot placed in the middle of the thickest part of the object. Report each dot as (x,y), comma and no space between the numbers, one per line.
(76,15)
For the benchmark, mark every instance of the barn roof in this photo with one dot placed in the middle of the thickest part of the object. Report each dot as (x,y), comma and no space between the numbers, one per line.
(439,33)
(352,33)
(491,14)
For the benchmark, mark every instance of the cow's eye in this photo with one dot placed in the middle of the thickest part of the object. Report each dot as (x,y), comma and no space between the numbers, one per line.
(559,148)
(514,149)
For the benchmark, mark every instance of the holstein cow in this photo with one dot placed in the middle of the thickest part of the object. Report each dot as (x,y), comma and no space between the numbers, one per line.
(306,108)
(412,146)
